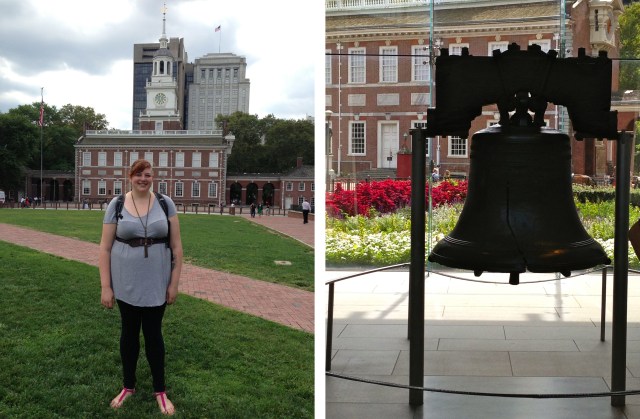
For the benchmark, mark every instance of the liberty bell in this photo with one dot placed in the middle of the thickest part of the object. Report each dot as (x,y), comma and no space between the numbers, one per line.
(519,213)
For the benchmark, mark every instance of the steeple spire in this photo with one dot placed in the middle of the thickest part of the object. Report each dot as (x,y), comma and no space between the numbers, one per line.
(163,37)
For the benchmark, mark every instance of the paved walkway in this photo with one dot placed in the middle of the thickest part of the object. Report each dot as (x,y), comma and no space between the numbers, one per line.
(289,306)
(290,226)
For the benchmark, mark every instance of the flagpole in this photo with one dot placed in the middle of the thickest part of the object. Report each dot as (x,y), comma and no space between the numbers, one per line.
(41,148)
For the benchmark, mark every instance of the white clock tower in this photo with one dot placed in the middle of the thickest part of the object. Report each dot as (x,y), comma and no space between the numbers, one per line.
(162,90)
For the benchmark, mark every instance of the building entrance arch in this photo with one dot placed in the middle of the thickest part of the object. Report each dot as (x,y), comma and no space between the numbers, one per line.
(235,193)
(252,193)
(268,192)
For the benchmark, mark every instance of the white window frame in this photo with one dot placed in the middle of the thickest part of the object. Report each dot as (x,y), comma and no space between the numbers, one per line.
(545,44)
(454,151)
(86,187)
(133,156)
(501,45)
(420,68)
(351,151)
(117,159)
(117,187)
(313,187)
(327,67)
(86,159)
(102,158)
(163,159)
(420,124)
(102,187)
(456,49)
(357,66)
(195,189)
(162,188)
(288,186)
(301,187)
(214,159)
(213,190)
(148,156)
(300,200)
(196,159)
(180,159)
(388,64)
(179,189)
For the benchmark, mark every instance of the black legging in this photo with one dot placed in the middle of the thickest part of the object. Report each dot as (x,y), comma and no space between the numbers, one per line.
(150,319)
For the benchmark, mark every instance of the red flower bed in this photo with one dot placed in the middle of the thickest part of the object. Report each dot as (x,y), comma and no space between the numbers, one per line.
(388,196)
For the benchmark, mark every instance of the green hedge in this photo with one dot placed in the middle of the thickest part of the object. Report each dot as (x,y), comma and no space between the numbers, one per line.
(602,194)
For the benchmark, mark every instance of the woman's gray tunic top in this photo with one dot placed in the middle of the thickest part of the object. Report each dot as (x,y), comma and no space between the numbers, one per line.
(137,280)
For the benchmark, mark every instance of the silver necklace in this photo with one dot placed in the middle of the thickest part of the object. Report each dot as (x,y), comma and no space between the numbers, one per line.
(144,225)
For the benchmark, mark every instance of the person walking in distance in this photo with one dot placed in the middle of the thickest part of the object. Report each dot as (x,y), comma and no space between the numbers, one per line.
(306,207)
(140,263)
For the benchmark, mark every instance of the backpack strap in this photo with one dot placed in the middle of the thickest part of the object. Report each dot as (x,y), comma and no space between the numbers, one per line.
(165,208)
(119,205)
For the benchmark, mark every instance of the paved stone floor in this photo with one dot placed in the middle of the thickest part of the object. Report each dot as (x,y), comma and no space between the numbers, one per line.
(278,303)
(532,338)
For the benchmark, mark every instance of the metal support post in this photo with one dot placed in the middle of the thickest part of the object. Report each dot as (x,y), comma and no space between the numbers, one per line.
(620,269)
(416,271)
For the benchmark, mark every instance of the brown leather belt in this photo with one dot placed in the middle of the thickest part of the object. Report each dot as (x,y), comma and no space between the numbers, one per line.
(137,242)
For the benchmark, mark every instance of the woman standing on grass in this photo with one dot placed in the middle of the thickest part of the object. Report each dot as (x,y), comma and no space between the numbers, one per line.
(139,239)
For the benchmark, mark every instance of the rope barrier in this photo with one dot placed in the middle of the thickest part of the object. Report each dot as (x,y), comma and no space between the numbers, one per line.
(488,394)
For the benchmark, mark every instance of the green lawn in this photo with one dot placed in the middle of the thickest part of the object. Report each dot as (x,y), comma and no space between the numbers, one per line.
(59,347)
(224,243)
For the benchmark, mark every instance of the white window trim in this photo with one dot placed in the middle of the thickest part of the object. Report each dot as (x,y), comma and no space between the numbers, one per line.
(214,186)
(357,52)
(545,44)
(196,159)
(493,45)
(455,46)
(420,50)
(327,67)
(350,145)
(394,57)
(457,156)
(418,124)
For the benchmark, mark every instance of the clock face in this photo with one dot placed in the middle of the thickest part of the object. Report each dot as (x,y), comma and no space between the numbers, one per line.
(160,99)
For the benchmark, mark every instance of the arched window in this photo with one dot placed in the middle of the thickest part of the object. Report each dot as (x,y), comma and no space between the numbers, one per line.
(161,67)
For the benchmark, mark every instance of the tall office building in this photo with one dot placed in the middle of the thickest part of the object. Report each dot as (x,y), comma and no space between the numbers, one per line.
(219,86)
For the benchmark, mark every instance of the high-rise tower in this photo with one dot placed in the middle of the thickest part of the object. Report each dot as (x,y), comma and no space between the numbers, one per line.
(219,87)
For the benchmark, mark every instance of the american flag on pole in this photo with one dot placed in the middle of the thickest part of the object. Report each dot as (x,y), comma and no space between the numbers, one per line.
(41,111)
(218,28)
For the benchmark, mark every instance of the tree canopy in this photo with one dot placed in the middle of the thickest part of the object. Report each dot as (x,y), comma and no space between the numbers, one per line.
(20,139)
(630,47)
(269,144)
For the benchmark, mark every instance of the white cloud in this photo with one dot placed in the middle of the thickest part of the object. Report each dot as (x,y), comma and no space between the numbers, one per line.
(69,48)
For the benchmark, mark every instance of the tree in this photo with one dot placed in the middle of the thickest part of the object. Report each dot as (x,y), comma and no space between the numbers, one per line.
(630,47)
(286,140)
(267,145)
(18,140)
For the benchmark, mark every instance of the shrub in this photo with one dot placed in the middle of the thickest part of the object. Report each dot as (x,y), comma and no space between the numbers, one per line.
(387,196)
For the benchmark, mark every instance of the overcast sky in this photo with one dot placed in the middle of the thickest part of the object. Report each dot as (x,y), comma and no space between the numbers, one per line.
(81,51)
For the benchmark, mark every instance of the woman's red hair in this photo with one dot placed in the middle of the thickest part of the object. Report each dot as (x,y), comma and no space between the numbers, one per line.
(139,166)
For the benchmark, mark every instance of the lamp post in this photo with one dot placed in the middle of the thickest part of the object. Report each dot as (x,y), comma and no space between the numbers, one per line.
(328,151)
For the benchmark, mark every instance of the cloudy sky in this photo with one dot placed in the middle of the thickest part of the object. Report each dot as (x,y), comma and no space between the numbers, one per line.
(81,51)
